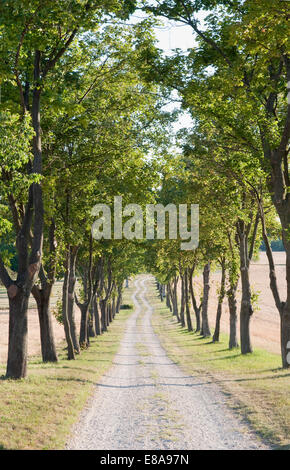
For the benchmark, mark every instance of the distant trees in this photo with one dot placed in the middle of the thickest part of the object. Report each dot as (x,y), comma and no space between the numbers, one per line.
(276,245)
(230,235)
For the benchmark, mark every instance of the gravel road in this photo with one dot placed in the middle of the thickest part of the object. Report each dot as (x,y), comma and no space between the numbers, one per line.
(146,402)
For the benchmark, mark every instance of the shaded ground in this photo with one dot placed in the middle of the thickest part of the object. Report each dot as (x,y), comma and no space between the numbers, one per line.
(145,401)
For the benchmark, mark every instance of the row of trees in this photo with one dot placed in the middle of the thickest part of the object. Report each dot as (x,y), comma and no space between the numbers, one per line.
(82,120)
(77,123)
(234,85)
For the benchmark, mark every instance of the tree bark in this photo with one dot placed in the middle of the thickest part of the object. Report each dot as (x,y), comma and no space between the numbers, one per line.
(161,292)
(194,302)
(285,341)
(92,328)
(285,313)
(71,299)
(170,293)
(182,308)
(70,347)
(205,330)
(175,298)
(89,291)
(246,303)
(119,299)
(110,315)
(216,335)
(103,307)
(84,338)
(168,302)
(232,301)
(113,307)
(97,317)
(17,345)
(187,302)
(42,297)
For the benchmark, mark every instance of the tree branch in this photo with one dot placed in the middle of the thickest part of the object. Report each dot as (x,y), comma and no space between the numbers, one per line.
(4,276)
(53,60)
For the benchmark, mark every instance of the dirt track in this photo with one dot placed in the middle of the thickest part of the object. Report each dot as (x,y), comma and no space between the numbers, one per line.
(138,405)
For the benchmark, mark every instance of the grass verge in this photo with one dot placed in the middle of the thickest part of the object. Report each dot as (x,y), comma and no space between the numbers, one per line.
(39,411)
(255,384)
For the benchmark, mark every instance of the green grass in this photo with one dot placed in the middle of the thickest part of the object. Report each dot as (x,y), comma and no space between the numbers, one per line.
(255,384)
(39,411)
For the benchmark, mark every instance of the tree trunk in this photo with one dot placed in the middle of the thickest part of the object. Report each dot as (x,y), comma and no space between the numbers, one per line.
(70,347)
(194,303)
(216,335)
(281,306)
(175,299)
(110,312)
(161,292)
(97,317)
(92,329)
(84,338)
(119,299)
(285,341)
(103,306)
(71,300)
(42,297)
(17,346)
(285,313)
(168,302)
(232,301)
(113,308)
(107,314)
(187,306)
(205,331)
(246,304)
(182,308)
(170,293)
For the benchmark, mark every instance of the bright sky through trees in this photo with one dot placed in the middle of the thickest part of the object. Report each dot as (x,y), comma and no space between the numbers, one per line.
(172,35)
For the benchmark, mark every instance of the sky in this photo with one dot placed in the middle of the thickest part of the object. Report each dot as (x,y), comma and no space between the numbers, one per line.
(172,35)
(176,35)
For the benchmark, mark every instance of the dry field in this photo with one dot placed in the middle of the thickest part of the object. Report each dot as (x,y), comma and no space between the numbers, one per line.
(265,321)
(33,325)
